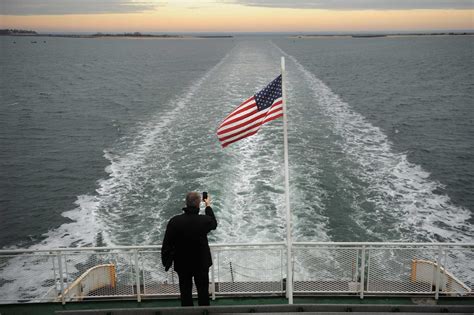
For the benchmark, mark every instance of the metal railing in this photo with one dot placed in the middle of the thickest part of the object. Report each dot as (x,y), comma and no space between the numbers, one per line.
(71,274)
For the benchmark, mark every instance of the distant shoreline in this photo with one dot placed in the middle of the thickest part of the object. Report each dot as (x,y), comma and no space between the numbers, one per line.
(118,36)
(138,35)
(135,35)
(316,36)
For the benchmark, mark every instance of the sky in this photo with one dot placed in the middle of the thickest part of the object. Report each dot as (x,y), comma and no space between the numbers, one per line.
(161,16)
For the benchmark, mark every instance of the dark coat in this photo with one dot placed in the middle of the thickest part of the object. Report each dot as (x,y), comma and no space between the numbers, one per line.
(185,241)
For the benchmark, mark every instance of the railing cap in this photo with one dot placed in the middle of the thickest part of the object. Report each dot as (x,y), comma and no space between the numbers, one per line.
(238,245)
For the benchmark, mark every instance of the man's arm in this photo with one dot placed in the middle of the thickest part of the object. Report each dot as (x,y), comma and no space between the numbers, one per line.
(213,221)
(210,213)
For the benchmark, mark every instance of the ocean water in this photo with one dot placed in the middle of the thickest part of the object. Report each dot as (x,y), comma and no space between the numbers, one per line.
(101,139)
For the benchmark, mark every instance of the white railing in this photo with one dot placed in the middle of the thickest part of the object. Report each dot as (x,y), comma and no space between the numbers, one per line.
(71,274)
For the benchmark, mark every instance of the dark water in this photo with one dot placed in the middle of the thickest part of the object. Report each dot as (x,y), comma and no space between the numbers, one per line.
(115,132)
(64,102)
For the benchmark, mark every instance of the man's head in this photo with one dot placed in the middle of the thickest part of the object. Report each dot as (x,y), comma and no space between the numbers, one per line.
(193,199)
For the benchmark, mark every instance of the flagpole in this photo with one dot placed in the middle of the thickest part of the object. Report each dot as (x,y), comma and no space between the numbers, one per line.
(289,277)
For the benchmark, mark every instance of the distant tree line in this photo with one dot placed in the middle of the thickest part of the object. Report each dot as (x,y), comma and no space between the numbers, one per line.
(17,32)
(135,34)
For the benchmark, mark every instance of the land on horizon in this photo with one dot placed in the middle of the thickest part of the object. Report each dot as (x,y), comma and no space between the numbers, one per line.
(15,32)
(18,32)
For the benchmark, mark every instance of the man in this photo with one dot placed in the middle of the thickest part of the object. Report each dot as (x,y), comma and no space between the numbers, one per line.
(186,244)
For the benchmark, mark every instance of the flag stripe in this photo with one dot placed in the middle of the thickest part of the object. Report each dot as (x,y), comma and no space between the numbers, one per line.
(250,130)
(270,118)
(245,128)
(244,106)
(273,113)
(246,120)
(224,144)
(253,120)
(243,134)
(250,103)
(240,123)
(241,130)
(247,116)
(260,116)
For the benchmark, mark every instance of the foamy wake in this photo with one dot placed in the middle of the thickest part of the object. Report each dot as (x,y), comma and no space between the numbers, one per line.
(250,177)
(398,188)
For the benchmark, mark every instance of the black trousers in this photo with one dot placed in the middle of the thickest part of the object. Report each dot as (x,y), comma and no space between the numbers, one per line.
(201,279)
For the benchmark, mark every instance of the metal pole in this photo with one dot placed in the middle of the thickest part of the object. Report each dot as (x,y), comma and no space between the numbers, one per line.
(137,275)
(445,264)
(362,273)
(356,267)
(289,276)
(281,270)
(54,274)
(61,284)
(213,282)
(218,266)
(65,267)
(144,278)
(438,271)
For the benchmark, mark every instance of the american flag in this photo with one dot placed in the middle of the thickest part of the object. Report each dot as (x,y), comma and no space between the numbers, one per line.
(249,116)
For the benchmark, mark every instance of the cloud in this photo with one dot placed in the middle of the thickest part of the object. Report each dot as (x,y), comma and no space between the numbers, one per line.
(61,7)
(358,4)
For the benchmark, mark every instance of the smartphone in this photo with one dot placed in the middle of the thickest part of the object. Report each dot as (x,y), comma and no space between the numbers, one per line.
(204,195)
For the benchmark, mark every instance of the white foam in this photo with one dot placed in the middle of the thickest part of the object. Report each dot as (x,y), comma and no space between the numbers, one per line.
(28,274)
(399,189)
(309,222)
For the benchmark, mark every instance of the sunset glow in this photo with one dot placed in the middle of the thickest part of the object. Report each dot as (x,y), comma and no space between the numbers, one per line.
(181,16)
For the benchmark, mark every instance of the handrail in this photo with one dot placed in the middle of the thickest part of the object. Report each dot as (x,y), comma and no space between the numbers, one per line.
(72,249)
(110,280)
(428,274)
(357,271)
(220,245)
(383,243)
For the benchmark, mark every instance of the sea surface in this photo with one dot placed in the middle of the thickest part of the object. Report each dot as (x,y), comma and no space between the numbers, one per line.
(100,139)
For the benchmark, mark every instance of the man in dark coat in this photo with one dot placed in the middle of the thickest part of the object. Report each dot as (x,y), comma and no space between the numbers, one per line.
(186,245)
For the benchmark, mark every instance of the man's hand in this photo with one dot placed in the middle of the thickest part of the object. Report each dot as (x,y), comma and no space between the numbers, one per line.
(208,200)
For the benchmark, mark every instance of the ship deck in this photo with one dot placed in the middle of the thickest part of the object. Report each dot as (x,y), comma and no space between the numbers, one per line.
(263,305)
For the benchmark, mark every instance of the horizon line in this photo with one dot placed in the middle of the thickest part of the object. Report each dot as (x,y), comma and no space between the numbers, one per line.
(384,32)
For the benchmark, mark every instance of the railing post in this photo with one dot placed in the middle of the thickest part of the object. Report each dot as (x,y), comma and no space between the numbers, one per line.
(144,279)
(213,282)
(54,273)
(281,271)
(61,283)
(362,272)
(438,271)
(289,277)
(65,269)
(137,275)
(356,267)
(218,266)
(231,272)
